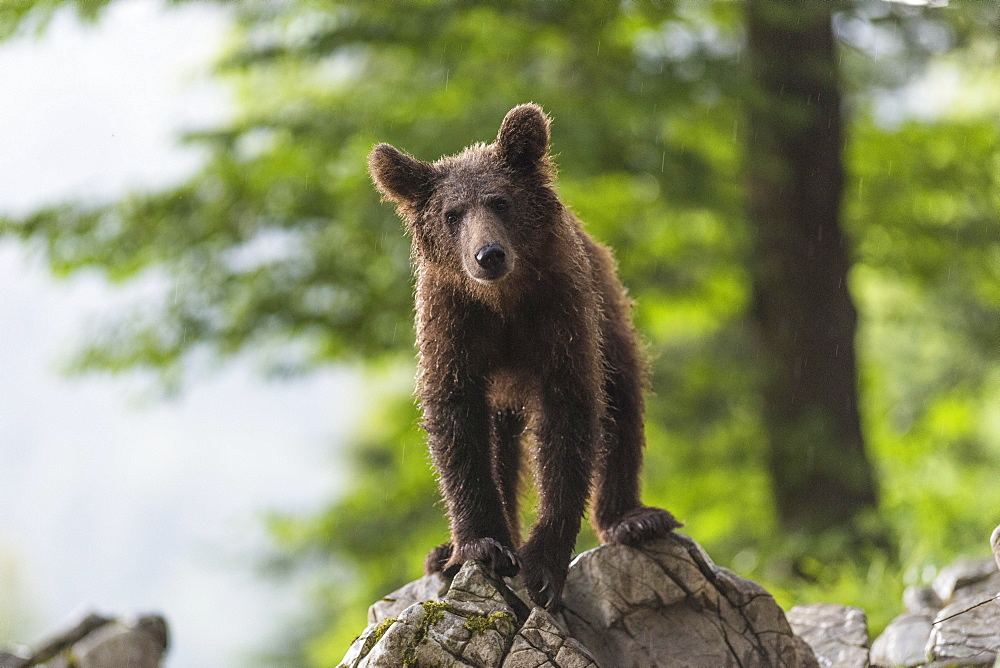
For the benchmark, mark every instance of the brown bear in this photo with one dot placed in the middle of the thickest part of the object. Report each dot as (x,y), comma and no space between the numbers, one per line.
(525,336)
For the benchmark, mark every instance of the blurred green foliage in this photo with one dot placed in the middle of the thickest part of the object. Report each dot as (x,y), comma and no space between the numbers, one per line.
(279,244)
(17,613)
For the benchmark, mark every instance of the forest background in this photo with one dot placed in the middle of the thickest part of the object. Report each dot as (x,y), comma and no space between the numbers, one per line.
(804,199)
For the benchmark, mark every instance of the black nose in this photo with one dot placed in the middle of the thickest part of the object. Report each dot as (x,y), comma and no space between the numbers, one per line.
(491,257)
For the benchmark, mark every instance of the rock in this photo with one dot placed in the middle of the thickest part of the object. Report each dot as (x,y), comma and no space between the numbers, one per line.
(156,627)
(8,660)
(966,633)
(669,605)
(903,643)
(995,544)
(476,623)
(541,643)
(922,600)
(137,645)
(664,605)
(967,577)
(838,634)
(99,642)
(430,588)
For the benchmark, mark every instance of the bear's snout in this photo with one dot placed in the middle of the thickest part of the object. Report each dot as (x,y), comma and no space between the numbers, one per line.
(486,249)
(493,259)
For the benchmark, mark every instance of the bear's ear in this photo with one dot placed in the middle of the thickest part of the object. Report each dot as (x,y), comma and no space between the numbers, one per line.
(523,140)
(400,178)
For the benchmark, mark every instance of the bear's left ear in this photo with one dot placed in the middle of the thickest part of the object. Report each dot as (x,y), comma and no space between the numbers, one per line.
(400,178)
(523,140)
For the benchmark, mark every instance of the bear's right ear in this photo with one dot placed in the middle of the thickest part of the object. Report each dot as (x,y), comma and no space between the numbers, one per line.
(400,178)
(523,140)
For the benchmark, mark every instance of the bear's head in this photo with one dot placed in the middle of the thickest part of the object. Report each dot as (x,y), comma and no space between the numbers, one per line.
(482,214)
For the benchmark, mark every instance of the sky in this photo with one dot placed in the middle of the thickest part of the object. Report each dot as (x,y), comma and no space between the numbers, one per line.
(111,499)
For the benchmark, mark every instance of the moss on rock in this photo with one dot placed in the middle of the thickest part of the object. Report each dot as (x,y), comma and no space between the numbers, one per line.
(479,624)
(377,634)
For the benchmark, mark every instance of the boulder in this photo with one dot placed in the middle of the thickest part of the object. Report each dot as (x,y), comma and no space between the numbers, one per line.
(956,622)
(430,588)
(12,660)
(995,544)
(99,642)
(966,633)
(922,600)
(138,644)
(669,605)
(475,623)
(838,634)
(967,578)
(664,605)
(542,644)
(903,643)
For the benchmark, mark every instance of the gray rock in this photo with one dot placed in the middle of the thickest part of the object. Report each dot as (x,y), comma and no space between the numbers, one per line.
(966,633)
(541,643)
(669,605)
(838,634)
(903,643)
(156,627)
(664,605)
(99,642)
(967,577)
(431,588)
(473,624)
(120,644)
(8,660)
(922,600)
(995,544)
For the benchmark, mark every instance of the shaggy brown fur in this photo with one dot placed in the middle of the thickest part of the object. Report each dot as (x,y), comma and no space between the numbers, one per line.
(524,330)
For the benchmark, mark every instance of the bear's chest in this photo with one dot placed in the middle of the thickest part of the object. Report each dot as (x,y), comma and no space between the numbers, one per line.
(521,338)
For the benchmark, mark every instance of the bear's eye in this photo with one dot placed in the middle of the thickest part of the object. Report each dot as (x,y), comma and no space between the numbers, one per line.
(498,204)
(451,217)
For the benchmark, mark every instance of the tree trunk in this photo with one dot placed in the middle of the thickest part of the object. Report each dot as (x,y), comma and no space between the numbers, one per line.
(822,478)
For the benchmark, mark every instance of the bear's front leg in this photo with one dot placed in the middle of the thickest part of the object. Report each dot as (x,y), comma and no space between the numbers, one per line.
(457,423)
(567,436)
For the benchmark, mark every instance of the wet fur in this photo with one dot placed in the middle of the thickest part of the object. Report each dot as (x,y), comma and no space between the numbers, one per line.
(545,358)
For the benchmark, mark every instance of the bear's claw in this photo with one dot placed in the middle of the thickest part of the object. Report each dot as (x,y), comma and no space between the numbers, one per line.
(542,587)
(437,558)
(640,525)
(491,553)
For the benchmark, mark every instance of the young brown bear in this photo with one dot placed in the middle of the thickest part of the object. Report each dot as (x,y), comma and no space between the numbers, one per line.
(523,328)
